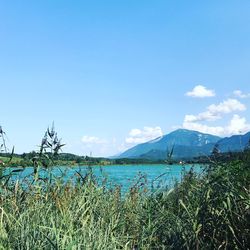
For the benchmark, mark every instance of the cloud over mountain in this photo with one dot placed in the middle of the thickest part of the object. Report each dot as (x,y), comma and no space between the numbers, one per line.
(237,125)
(215,112)
(142,135)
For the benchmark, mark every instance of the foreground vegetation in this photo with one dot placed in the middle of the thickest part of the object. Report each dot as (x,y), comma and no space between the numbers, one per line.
(208,211)
(202,212)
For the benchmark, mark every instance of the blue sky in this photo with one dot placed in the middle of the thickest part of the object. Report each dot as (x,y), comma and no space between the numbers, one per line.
(111,74)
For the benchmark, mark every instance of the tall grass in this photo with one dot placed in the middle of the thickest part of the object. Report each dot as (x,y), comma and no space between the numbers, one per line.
(209,212)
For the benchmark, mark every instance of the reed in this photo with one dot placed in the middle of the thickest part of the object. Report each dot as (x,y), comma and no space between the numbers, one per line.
(208,212)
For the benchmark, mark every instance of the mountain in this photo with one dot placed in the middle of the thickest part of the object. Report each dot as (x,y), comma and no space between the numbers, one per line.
(185,143)
(234,143)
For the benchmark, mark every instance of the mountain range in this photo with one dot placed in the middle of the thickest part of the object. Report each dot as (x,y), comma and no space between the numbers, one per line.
(185,144)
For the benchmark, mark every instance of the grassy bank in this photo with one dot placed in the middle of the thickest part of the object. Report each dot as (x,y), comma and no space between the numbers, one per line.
(209,212)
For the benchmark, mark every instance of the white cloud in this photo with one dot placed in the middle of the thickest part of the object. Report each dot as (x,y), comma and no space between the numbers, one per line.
(204,116)
(226,107)
(201,92)
(203,128)
(93,140)
(98,146)
(240,94)
(237,125)
(214,112)
(146,134)
(135,132)
(102,147)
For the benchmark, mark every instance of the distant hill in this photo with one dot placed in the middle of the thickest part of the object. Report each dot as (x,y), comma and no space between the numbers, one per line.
(187,144)
(234,143)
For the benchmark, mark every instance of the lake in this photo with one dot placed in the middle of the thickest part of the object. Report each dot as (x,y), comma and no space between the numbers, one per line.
(156,176)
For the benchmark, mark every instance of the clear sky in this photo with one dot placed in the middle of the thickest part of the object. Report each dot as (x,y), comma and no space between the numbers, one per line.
(112,74)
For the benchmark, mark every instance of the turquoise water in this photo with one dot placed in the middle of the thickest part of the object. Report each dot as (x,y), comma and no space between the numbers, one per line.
(154,176)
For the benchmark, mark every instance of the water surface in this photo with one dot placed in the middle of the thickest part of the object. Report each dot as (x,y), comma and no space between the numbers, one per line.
(155,176)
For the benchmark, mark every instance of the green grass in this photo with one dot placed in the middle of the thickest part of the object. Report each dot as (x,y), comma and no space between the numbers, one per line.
(208,212)
(15,160)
